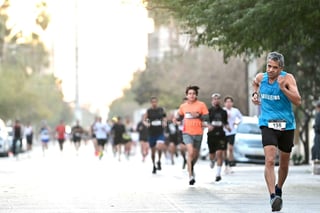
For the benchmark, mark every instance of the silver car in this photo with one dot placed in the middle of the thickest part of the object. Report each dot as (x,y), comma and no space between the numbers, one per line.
(248,141)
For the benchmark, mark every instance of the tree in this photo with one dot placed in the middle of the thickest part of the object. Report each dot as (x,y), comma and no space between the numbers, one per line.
(27,92)
(253,27)
(4,31)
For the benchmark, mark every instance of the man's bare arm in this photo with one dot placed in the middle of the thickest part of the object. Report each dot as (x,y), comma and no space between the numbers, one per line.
(255,87)
(289,87)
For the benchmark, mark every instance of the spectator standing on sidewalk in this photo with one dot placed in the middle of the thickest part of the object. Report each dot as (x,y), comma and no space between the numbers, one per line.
(275,91)
(17,138)
(315,150)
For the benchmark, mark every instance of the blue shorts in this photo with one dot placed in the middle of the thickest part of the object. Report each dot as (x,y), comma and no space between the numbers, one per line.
(44,140)
(153,140)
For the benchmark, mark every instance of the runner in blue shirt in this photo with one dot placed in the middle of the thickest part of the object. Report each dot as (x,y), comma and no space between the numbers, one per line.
(275,91)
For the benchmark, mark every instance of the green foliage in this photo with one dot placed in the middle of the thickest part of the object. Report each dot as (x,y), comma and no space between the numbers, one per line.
(253,27)
(168,78)
(18,49)
(26,92)
(30,98)
(123,106)
(248,26)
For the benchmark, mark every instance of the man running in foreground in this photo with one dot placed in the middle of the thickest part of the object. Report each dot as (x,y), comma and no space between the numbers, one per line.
(275,91)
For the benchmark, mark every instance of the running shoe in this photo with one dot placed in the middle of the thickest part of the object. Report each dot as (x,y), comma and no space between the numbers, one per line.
(154,170)
(100,155)
(159,165)
(278,191)
(192,180)
(276,203)
(218,178)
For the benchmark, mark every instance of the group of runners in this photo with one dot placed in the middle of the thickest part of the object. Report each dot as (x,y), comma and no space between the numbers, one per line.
(274,91)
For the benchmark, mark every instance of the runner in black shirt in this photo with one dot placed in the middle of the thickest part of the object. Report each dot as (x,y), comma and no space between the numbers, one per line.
(142,129)
(217,142)
(155,119)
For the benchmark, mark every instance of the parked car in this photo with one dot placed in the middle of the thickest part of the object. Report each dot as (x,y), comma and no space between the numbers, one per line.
(248,142)
(4,140)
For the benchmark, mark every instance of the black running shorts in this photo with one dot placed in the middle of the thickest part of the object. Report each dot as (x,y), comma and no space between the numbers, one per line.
(282,139)
(216,143)
(230,139)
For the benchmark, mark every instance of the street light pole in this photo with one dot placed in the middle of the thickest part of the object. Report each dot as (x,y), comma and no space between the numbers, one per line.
(77,104)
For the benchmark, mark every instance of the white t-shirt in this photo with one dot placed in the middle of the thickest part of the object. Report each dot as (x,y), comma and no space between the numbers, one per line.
(28,130)
(234,117)
(101,130)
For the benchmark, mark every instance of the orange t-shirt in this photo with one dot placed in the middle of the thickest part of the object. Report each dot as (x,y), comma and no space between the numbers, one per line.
(192,126)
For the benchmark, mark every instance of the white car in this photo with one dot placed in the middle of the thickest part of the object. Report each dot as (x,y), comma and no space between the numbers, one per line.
(4,140)
(248,142)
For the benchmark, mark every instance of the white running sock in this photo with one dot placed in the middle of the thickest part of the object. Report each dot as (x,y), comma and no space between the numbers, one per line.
(218,170)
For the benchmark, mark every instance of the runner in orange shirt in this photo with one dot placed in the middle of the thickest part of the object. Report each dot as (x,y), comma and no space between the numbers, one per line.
(193,113)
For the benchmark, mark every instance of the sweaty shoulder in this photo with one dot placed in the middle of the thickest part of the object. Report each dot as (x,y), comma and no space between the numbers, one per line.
(258,78)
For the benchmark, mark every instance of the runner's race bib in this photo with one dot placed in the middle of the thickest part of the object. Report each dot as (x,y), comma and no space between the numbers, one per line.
(156,123)
(188,115)
(277,124)
(216,123)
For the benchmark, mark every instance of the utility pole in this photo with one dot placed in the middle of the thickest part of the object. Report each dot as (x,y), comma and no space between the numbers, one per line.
(77,111)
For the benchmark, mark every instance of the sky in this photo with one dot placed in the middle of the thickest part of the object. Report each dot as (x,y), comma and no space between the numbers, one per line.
(112,44)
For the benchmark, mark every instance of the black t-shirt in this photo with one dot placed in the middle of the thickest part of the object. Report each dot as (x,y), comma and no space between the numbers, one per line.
(118,130)
(17,132)
(142,130)
(218,117)
(77,131)
(155,116)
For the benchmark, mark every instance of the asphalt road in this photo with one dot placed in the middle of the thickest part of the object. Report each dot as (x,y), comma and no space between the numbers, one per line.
(67,182)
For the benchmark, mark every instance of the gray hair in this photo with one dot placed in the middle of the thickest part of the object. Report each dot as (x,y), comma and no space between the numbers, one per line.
(275,56)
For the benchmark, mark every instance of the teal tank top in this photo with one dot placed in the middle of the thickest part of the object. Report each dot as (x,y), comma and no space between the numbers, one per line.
(274,104)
